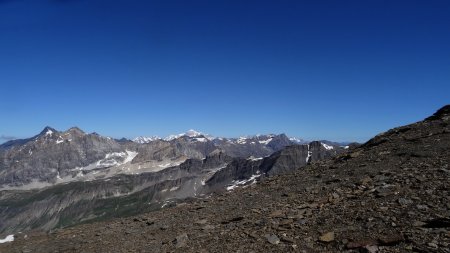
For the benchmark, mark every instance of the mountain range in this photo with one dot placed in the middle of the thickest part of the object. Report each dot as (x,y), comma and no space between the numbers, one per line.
(62,178)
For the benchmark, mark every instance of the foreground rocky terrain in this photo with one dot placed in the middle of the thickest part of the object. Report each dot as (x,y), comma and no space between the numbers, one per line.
(391,194)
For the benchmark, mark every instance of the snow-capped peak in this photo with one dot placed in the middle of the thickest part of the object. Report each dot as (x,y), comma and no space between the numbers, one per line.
(144,139)
(190,133)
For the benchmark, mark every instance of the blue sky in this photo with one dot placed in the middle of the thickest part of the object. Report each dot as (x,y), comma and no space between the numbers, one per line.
(338,70)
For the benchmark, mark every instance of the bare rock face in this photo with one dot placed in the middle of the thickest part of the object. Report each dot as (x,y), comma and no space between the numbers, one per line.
(51,154)
(389,195)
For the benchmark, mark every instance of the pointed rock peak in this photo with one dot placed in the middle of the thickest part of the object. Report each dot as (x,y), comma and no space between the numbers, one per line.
(75,130)
(48,131)
(283,135)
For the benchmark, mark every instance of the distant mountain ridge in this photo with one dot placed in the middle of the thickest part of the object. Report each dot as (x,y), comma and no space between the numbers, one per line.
(193,133)
(55,157)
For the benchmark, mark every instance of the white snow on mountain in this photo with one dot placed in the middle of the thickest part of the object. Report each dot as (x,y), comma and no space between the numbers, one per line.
(9,238)
(191,134)
(265,142)
(201,139)
(144,139)
(237,183)
(297,140)
(111,159)
(327,147)
(241,140)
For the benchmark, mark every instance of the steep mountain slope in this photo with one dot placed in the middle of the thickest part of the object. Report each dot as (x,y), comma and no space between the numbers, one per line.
(388,195)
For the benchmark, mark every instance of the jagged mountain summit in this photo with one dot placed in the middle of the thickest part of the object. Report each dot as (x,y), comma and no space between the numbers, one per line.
(388,195)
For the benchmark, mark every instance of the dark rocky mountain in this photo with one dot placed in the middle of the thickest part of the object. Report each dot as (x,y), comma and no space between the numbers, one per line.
(389,195)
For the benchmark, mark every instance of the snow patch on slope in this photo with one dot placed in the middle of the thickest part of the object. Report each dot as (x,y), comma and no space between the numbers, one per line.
(9,238)
(309,154)
(237,183)
(241,140)
(111,159)
(266,141)
(327,147)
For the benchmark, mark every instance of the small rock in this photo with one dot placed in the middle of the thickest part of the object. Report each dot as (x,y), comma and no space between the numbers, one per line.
(418,224)
(202,222)
(286,222)
(287,239)
(432,245)
(235,219)
(277,214)
(390,240)
(208,227)
(361,243)
(422,207)
(327,237)
(273,239)
(181,240)
(404,202)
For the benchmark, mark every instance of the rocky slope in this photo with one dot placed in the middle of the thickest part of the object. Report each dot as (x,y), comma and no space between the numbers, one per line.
(388,195)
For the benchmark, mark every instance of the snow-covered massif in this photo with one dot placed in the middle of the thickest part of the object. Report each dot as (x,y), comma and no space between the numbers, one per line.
(143,139)
(190,133)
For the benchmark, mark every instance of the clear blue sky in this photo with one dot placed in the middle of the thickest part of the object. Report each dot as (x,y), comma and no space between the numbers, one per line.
(338,70)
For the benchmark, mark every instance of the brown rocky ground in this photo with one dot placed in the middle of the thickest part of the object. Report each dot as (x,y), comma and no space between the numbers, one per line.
(390,195)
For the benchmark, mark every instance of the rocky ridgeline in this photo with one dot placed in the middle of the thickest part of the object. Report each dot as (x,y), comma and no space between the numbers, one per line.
(392,194)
